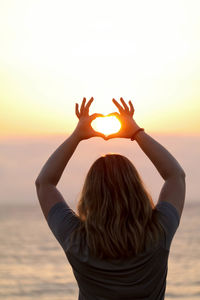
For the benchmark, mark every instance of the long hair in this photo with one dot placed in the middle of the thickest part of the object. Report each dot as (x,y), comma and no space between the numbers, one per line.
(117,214)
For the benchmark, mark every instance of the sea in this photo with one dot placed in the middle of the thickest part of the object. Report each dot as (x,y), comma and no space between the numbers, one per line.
(32,263)
(34,266)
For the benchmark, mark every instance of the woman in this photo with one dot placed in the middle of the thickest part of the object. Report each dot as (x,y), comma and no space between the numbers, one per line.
(118,243)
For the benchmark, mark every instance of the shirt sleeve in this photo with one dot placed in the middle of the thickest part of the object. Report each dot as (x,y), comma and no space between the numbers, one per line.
(62,220)
(170,220)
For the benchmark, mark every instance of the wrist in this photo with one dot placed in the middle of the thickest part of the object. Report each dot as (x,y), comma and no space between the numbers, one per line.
(134,126)
(137,131)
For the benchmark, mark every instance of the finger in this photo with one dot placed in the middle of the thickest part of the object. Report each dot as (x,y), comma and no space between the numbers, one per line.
(94,116)
(124,104)
(121,110)
(115,114)
(77,111)
(131,107)
(82,105)
(98,134)
(88,105)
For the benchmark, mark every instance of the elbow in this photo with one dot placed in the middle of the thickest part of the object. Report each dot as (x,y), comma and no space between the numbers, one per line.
(40,182)
(37,182)
(179,173)
(183,174)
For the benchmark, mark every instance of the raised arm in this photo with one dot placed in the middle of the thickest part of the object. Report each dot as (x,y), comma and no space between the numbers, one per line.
(173,190)
(52,170)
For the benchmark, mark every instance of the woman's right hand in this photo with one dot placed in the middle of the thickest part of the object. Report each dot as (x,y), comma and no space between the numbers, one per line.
(125,116)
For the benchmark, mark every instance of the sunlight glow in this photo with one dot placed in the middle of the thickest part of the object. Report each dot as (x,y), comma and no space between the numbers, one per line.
(106,125)
(54,53)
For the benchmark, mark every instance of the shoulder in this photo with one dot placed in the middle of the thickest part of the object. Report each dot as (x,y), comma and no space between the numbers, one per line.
(167,209)
(62,221)
(169,219)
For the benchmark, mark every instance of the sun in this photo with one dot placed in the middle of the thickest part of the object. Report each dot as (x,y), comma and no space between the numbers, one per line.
(106,125)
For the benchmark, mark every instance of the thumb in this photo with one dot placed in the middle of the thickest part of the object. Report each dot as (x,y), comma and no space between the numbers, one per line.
(98,134)
(115,114)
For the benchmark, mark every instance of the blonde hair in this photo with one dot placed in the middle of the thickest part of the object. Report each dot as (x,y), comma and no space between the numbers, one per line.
(117,214)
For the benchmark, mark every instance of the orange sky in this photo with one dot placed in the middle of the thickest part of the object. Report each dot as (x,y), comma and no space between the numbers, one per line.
(53,53)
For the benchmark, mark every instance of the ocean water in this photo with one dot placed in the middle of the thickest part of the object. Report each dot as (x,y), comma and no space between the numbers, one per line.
(32,263)
(34,266)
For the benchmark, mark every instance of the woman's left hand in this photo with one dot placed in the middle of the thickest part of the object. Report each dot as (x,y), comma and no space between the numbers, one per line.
(84,129)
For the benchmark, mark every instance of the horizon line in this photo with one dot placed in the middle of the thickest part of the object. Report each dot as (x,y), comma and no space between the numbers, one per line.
(62,135)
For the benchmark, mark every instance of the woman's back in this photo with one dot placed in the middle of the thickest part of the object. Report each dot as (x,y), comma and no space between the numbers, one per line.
(139,277)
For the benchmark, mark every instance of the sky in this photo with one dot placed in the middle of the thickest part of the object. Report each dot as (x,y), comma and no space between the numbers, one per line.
(54,53)
(22,159)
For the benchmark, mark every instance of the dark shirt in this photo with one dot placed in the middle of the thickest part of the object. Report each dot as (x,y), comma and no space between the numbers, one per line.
(142,277)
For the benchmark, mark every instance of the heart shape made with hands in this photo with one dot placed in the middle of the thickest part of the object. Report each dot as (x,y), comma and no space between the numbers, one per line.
(106,125)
